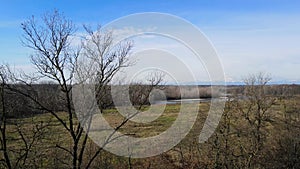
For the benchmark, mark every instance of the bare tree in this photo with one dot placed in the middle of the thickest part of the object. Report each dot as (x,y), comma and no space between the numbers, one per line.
(3,121)
(25,133)
(103,59)
(54,59)
(255,109)
(140,91)
(107,56)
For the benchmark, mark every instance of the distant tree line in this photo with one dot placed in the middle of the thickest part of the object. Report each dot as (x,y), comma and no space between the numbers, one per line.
(22,106)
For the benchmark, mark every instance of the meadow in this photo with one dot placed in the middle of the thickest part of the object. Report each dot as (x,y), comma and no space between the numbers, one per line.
(39,141)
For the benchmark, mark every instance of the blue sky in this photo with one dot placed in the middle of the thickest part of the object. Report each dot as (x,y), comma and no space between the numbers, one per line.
(249,35)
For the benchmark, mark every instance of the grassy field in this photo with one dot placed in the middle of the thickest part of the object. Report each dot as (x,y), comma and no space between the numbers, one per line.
(49,136)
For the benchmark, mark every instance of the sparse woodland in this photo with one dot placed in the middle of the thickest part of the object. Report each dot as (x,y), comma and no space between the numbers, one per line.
(260,126)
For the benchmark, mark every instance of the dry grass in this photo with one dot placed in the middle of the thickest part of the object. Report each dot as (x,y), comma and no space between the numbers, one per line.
(188,154)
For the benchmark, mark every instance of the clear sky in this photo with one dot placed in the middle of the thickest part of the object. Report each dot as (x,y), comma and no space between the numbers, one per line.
(249,35)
